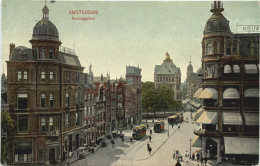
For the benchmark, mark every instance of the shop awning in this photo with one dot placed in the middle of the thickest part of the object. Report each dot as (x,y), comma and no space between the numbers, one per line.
(227,69)
(232,118)
(251,119)
(236,69)
(209,93)
(208,118)
(250,69)
(240,145)
(230,93)
(198,114)
(196,142)
(198,92)
(252,92)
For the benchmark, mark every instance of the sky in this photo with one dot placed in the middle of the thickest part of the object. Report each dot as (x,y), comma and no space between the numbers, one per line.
(124,33)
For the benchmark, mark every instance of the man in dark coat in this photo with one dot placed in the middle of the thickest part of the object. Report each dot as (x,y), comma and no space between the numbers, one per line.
(178,163)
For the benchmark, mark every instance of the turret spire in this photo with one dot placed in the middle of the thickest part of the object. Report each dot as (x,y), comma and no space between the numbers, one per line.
(217,6)
(45,12)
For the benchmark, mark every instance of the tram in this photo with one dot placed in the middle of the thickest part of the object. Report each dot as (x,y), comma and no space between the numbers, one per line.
(175,118)
(158,126)
(139,131)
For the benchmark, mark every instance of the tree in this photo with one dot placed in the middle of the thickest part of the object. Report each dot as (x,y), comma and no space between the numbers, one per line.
(6,124)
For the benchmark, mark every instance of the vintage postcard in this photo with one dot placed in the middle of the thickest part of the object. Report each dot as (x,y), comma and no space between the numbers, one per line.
(130,83)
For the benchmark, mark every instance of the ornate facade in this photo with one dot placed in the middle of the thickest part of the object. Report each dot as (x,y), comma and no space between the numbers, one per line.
(169,74)
(230,64)
(44,87)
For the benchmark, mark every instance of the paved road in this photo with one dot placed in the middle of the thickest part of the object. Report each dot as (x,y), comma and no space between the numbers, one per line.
(136,154)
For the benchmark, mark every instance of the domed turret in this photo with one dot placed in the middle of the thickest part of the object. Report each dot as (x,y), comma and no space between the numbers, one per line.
(45,29)
(217,22)
(189,69)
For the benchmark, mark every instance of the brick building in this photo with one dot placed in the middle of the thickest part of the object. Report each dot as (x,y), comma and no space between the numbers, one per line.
(44,94)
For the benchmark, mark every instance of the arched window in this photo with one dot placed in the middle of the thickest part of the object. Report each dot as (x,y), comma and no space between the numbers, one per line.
(67,100)
(43,100)
(234,49)
(25,76)
(51,54)
(209,48)
(227,69)
(236,69)
(51,101)
(228,49)
(51,76)
(42,76)
(19,76)
(43,53)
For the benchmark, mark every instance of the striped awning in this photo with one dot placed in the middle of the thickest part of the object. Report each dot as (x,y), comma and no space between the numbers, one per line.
(230,93)
(251,119)
(232,118)
(209,93)
(198,92)
(252,92)
(208,118)
(240,145)
(250,69)
(198,114)
(196,142)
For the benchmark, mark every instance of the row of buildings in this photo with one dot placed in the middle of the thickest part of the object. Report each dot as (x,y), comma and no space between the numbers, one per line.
(230,94)
(56,107)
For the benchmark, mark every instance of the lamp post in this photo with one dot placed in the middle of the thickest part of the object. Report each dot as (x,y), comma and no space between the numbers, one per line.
(168,128)
(190,148)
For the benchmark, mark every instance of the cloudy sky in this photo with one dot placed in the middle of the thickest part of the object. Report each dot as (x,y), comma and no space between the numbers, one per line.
(124,33)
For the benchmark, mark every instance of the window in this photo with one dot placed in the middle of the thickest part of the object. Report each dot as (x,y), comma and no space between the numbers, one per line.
(22,101)
(41,155)
(19,76)
(43,100)
(77,98)
(22,151)
(51,54)
(67,100)
(85,112)
(51,127)
(43,54)
(22,123)
(43,125)
(51,76)
(25,76)
(120,89)
(43,76)
(92,97)
(89,111)
(209,48)
(89,97)
(77,119)
(228,49)
(120,97)
(85,97)
(51,101)
(234,49)
(119,105)
(67,121)
(85,124)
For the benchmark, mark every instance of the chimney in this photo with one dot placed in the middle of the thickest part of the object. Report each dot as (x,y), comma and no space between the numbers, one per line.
(11,46)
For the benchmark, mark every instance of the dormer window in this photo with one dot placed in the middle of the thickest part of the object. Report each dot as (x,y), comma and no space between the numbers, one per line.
(228,49)
(209,48)
(51,54)
(43,53)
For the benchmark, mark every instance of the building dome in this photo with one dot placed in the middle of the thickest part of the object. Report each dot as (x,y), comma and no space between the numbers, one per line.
(45,29)
(217,22)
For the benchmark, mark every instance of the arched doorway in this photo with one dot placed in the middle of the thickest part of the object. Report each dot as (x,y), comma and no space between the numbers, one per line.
(211,148)
(52,156)
(77,141)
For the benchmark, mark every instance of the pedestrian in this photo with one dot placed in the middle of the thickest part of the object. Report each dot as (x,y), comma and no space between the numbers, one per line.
(147,126)
(151,131)
(112,142)
(172,126)
(131,140)
(150,138)
(153,121)
(179,126)
(93,150)
(177,154)
(201,160)
(123,139)
(148,146)
(187,158)
(198,157)
(206,159)
(193,155)
(173,156)
(150,150)
(178,163)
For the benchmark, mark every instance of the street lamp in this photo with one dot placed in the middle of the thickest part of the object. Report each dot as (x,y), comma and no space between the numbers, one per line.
(190,148)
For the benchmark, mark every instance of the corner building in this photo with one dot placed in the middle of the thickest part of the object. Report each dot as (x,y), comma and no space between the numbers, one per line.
(230,122)
(44,86)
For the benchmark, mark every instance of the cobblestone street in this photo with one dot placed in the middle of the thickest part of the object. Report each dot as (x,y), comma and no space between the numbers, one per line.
(136,154)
